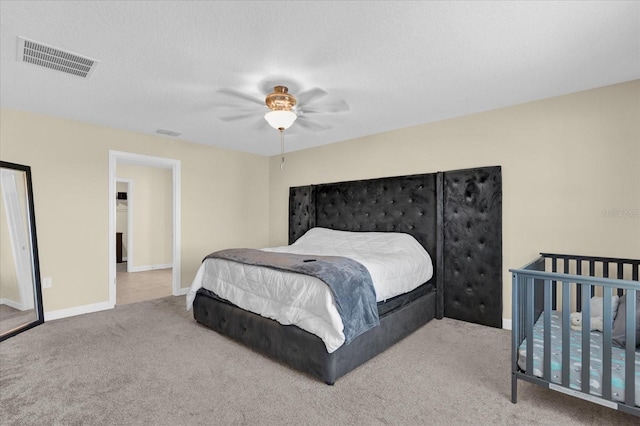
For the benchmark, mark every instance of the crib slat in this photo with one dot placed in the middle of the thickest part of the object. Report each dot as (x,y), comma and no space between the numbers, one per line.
(566,351)
(630,346)
(529,323)
(547,331)
(620,275)
(578,287)
(586,339)
(515,334)
(554,268)
(620,271)
(607,294)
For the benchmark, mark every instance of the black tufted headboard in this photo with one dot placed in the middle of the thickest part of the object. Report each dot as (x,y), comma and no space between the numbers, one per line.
(429,207)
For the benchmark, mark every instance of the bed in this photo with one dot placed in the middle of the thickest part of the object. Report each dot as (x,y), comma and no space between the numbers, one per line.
(445,213)
(592,308)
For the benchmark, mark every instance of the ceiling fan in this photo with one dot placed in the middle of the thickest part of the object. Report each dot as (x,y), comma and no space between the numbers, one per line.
(284,109)
(281,108)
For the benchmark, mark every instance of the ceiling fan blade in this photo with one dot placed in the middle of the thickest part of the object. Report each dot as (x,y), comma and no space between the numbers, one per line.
(260,124)
(329,107)
(241,95)
(237,117)
(311,125)
(310,96)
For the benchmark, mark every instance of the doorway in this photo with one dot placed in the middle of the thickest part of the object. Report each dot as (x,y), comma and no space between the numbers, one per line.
(124,221)
(146,271)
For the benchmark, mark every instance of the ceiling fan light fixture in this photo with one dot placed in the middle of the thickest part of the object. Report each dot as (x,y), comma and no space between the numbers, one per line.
(280,120)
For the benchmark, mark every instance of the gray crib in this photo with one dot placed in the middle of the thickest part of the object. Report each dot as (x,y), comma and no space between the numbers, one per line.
(546,292)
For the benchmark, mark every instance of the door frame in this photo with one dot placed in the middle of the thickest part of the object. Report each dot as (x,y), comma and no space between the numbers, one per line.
(120,157)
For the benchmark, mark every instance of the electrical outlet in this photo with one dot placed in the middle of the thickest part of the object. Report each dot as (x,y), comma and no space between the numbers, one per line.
(47,282)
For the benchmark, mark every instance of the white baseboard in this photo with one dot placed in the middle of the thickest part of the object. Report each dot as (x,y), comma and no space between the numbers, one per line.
(78,310)
(13,304)
(183,291)
(506,324)
(150,267)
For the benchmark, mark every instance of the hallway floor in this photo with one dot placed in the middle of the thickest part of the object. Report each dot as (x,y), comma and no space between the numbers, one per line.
(132,287)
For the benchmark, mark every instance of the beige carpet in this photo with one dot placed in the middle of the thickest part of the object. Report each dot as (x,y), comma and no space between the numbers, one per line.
(150,363)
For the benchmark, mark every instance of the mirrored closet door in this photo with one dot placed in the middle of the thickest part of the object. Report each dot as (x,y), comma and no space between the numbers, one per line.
(20,291)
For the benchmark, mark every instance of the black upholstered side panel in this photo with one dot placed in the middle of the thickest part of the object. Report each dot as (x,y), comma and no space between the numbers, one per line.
(473,245)
(302,213)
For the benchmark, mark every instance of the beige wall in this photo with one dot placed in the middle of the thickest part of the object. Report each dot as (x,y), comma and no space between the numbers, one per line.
(570,167)
(224,199)
(151,200)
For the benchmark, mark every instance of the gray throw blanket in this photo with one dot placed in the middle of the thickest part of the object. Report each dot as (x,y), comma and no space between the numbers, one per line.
(349,281)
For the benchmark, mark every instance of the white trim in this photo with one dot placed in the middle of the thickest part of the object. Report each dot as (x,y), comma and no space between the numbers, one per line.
(78,310)
(13,304)
(506,324)
(149,267)
(116,157)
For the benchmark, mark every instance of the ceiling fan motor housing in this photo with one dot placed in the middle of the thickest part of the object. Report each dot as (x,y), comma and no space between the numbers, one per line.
(280,99)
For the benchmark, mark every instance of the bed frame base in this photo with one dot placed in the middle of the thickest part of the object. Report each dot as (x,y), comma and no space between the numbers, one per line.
(304,351)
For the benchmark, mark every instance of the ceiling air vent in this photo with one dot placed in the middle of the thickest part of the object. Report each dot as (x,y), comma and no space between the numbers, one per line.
(168,133)
(54,58)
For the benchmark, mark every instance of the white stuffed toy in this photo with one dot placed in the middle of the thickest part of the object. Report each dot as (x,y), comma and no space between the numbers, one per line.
(597,309)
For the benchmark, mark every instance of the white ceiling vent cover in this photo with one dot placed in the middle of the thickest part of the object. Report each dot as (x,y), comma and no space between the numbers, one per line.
(54,58)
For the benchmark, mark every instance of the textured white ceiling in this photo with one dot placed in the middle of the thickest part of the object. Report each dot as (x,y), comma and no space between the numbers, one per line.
(396,63)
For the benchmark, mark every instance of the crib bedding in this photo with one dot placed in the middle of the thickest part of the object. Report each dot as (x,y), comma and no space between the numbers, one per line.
(617,359)
(396,262)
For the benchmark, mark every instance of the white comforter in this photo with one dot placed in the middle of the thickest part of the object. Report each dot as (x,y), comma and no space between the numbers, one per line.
(396,262)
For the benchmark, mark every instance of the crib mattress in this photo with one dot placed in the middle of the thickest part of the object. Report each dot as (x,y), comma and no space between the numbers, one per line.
(617,359)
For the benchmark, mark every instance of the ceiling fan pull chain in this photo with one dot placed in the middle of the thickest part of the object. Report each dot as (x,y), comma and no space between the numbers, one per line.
(281,148)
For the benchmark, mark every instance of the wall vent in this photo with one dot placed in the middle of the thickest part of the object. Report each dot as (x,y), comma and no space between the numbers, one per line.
(56,59)
(168,133)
